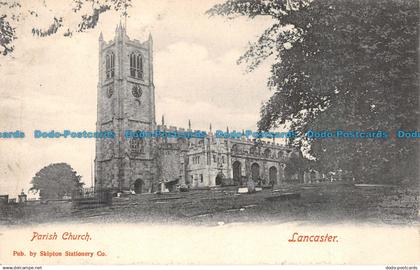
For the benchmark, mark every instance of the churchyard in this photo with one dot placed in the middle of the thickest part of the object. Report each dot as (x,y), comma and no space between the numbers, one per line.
(306,203)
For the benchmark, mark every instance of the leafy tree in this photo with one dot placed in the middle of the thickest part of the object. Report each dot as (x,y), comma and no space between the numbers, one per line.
(12,12)
(339,64)
(296,164)
(55,181)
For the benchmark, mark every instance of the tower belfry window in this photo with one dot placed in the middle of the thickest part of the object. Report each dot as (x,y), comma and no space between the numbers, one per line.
(136,65)
(110,65)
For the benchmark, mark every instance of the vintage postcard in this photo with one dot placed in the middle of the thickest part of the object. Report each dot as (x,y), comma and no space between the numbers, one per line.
(209,132)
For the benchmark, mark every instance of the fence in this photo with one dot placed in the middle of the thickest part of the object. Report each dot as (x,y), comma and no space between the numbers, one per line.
(90,198)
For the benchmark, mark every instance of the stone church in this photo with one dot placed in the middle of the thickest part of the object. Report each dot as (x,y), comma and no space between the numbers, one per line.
(126,101)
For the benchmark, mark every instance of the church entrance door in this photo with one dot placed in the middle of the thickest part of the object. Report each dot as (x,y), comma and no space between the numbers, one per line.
(138,186)
(219,179)
(237,175)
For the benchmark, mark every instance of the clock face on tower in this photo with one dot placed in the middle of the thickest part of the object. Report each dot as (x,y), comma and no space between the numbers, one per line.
(136,91)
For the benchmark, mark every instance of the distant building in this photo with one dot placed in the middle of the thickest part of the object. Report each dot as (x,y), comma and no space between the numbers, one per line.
(22,197)
(4,199)
(126,101)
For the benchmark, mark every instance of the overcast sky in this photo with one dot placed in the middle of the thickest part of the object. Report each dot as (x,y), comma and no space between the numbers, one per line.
(51,83)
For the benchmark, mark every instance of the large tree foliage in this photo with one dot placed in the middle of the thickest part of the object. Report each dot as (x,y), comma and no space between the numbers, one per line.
(55,181)
(296,165)
(341,64)
(12,12)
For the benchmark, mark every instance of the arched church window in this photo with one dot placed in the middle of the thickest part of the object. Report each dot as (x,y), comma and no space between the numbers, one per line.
(136,65)
(267,153)
(234,148)
(110,65)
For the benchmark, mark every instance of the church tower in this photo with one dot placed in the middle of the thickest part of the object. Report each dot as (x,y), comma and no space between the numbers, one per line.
(125,101)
